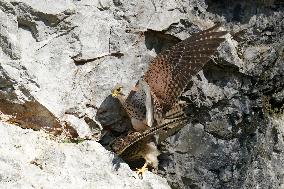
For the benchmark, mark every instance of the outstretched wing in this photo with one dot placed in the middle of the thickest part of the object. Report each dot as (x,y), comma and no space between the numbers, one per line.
(169,73)
(131,145)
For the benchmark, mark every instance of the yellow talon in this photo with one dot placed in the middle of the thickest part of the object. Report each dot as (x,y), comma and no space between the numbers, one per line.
(142,170)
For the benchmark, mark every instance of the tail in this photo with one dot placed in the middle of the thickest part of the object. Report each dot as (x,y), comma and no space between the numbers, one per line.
(175,119)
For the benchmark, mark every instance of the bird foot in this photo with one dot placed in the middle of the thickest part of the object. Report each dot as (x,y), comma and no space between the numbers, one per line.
(142,170)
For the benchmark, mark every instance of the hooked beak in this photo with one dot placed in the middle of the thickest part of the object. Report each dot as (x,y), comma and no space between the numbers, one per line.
(114,94)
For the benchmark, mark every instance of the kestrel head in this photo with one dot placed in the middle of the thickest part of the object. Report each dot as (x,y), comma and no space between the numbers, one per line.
(117,91)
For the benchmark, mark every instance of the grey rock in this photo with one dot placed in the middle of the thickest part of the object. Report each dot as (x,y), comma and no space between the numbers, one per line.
(237,116)
(68,55)
(31,159)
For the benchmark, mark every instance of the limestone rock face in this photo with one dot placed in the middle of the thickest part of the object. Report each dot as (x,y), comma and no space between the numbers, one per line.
(30,159)
(59,61)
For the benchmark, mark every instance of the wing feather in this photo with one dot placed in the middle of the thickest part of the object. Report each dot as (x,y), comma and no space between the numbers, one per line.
(170,71)
(131,144)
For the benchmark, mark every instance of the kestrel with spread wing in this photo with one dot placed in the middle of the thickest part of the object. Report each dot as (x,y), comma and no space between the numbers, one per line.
(153,104)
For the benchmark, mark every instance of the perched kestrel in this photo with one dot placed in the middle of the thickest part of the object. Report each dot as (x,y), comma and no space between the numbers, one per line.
(136,145)
(152,104)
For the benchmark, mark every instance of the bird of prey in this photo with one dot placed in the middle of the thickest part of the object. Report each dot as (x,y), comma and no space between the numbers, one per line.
(136,145)
(153,103)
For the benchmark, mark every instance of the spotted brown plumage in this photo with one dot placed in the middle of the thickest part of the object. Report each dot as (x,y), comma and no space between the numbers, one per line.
(154,99)
(121,144)
(170,72)
(135,104)
(136,145)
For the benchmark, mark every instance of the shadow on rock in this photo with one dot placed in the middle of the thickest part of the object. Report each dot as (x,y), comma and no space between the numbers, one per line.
(28,112)
(113,119)
(242,11)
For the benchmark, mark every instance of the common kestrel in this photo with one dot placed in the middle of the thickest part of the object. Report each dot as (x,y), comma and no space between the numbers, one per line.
(153,104)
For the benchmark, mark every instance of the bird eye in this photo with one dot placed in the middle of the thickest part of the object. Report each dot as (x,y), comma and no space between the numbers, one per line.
(119,89)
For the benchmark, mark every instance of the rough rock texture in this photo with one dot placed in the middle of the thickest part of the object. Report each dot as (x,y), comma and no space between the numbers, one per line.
(67,55)
(30,159)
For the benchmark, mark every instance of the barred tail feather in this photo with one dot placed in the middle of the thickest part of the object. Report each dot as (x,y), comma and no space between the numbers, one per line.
(164,129)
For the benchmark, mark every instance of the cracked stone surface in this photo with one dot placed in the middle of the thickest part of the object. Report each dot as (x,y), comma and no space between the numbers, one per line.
(62,58)
(31,159)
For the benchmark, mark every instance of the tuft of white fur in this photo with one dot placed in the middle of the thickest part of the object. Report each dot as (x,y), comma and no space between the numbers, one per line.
(151,154)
